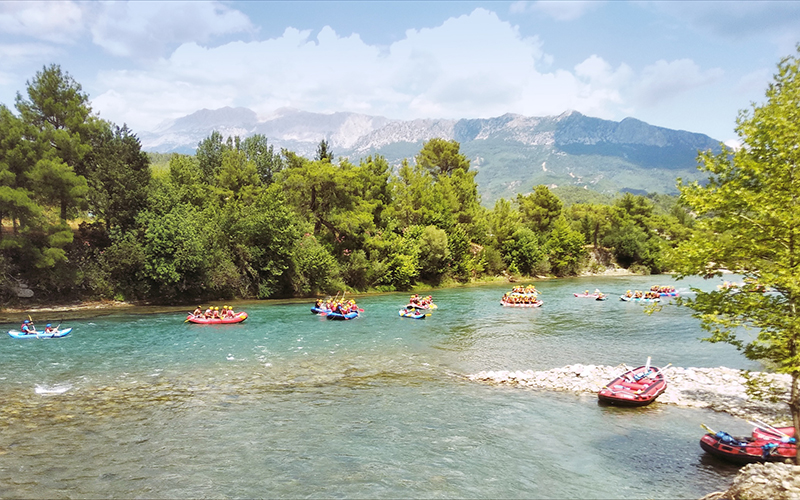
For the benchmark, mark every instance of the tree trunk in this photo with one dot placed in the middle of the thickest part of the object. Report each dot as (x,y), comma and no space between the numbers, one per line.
(794,406)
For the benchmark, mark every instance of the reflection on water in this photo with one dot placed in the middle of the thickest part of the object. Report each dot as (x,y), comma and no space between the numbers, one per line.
(289,404)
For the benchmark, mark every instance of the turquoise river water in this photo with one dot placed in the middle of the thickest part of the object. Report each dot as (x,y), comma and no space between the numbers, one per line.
(289,404)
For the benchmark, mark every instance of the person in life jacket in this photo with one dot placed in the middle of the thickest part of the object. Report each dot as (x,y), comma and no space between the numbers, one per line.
(49,329)
(27,327)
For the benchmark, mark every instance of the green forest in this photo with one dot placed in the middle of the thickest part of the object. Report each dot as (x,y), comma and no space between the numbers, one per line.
(87,215)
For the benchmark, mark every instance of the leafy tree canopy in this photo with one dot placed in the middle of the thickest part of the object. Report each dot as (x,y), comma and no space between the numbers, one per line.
(749,222)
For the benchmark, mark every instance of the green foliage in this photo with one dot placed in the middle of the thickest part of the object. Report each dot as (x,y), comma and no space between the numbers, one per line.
(119,178)
(315,269)
(434,254)
(176,246)
(593,221)
(565,248)
(524,253)
(260,238)
(503,222)
(209,154)
(263,155)
(748,215)
(539,209)
(442,158)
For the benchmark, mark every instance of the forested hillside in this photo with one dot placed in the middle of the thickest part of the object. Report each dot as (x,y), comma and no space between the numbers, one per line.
(86,215)
(511,152)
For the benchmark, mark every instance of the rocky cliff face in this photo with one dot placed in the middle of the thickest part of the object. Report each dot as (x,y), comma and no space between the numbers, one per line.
(511,152)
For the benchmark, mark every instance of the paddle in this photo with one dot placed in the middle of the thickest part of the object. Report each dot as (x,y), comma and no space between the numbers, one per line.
(769,428)
(708,429)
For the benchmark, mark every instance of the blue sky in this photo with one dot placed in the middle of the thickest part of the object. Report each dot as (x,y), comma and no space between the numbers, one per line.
(676,64)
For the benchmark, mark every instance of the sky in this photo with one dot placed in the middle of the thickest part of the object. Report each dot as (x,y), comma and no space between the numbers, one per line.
(686,65)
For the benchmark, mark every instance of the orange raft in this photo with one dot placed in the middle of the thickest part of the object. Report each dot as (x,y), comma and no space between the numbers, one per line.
(200,320)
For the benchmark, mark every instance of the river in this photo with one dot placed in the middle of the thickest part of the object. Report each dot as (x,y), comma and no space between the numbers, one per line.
(289,404)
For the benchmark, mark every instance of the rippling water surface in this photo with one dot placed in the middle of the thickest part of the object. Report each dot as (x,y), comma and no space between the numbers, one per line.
(288,404)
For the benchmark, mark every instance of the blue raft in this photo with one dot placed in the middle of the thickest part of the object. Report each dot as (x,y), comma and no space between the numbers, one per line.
(340,316)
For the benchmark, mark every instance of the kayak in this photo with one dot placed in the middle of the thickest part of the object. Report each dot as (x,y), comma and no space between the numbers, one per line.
(238,318)
(342,317)
(638,387)
(57,334)
(602,297)
(413,314)
(587,295)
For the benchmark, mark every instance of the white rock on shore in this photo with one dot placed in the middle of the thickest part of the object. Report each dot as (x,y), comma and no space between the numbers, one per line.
(773,481)
(720,389)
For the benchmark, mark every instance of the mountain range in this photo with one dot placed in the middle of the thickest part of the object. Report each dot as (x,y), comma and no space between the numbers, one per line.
(511,153)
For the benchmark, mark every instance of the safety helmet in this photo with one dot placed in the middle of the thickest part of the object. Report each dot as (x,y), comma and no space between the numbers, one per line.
(25,322)
(49,325)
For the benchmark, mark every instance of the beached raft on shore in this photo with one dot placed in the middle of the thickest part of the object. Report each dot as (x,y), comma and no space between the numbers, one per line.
(637,387)
(766,444)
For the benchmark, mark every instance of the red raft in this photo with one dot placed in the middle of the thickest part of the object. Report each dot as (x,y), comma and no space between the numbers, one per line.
(638,387)
(764,445)
(237,318)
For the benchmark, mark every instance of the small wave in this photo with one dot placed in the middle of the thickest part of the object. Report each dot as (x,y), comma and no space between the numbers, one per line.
(56,389)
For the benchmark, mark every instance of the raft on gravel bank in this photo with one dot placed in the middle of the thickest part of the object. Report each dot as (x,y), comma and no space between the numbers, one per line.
(719,389)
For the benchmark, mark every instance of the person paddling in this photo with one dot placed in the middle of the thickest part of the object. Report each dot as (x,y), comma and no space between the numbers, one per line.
(27,327)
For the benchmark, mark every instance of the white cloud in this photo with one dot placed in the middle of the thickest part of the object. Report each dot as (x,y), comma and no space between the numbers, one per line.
(468,67)
(59,22)
(146,29)
(663,81)
(474,65)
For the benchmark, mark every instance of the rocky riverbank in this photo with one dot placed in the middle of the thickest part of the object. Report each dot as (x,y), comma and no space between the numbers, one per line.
(750,395)
(771,481)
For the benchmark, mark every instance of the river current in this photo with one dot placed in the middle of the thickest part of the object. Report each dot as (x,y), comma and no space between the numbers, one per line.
(289,404)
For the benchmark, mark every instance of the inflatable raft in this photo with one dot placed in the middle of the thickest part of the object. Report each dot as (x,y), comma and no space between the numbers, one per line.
(238,318)
(625,298)
(638,387)
(537,303)
(340,316)
(413,314)
(764,445)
